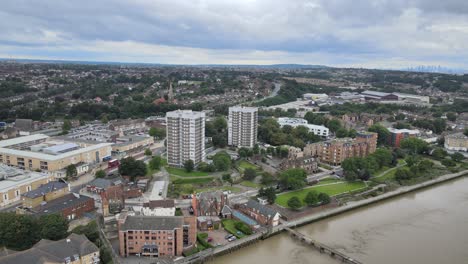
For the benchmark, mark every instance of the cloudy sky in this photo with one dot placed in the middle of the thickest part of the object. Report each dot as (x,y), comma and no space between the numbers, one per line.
(352,33)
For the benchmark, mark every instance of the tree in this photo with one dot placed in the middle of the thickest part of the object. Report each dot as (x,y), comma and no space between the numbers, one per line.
(383,133)
(100,174)
(71,171)
(267,178)
(270,195)
(448,163)
(148,152)
(18,232)
(157,132)
(402,174)
(294,203)
(341,133)
(311,198)
(293,178)
(249,174)
(189,166)
(227,178)
(457,157)
(222,161)
(333,125)
(451,116)
(104,119)
(53,226)
(414,145)
(132,168)
(155,163)
(67,125)
(439,153)
(205,167)
(465,132)
(324,198)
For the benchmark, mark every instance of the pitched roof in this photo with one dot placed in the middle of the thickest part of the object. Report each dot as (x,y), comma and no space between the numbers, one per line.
(45,188)
(47,251)
(160,204)
(152,222)
(59,204)
(262,209)
(226,210)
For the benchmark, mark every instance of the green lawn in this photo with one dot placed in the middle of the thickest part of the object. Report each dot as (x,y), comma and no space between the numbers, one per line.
(251,184)
(229,225)
(176,180)
(243,164)
(387,176)
(182,173)
(329,180)
(222,188)
(332,190)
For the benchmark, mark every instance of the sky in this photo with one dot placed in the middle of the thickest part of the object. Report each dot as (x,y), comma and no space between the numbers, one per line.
(343,33)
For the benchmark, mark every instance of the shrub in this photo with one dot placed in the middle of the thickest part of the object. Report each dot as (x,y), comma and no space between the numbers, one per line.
(243,227)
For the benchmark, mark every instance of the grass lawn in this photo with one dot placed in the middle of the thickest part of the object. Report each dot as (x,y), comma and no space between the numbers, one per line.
(182,173)
(387,176)
(229,225)
(243,164)
(222,188)
(332,190)
(251,184)
(176,180)
(329,180)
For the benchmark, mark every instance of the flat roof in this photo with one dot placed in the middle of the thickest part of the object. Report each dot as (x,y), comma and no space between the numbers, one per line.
(185,114)
(17,177)
(19,140)
(243,109)
(49,157)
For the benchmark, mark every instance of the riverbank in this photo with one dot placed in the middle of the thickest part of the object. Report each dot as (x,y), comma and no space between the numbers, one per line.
(263,234)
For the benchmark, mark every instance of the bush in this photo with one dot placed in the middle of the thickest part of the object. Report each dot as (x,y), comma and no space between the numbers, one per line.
(324,198)
(243,227)
(201,238)
(294,203)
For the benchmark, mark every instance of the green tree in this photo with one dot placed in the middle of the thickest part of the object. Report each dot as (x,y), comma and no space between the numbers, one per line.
(293,178)
(341,133)
(249,174)
(333,125)
(100,174)
(222,161)
(451,116)
(439,153)
(104,119)
(324,198)
(465,132)
(383,133)
(132,168)
(294,203)
(448,163)
(18,232)
(148,152)
(270,195)
(157,132)
(189,166)
(267,178)
(457,157)
(155,163)
(414,145)
(311,198)
(67,125)
(402,174)
(227,178)
(53,226)
(71,171)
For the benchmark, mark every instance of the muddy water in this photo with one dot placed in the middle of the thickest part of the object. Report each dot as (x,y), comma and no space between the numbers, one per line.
(429,226)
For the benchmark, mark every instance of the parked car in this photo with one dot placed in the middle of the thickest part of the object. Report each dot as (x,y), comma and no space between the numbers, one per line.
(232,239)
(209,239)
(228,236)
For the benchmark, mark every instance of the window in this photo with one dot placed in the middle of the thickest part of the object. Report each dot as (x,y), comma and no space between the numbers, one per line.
(5,196)
(17,193)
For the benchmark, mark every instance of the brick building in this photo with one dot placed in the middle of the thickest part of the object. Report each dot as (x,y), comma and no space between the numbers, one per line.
(156,236)
(397,135)
(260,213)
(209,203)
(45,193)
(296,159)
(334,152)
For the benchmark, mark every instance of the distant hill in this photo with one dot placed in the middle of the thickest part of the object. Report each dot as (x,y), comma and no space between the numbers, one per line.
(272,66)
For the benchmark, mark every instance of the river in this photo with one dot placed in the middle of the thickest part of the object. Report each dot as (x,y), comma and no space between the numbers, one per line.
(428,226)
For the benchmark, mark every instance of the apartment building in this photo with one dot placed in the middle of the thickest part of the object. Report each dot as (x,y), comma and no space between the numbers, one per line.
(397,135)
(15,182)
(334,152)
(155,236)
(41,152)
(456,142)
(185,137)
(242,126)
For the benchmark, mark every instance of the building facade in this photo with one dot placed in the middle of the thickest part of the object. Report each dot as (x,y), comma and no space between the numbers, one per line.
(242,126)
(155,236)
(334,152)
(185,132)
(397,135)
(15,182)
(456,142)
(40,152)
(295,122)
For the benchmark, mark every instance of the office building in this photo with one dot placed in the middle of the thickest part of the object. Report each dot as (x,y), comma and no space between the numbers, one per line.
(185,132)
(242,126)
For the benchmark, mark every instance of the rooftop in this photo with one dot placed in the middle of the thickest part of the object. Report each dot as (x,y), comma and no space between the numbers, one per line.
(57,205)
(11,177)
(243,109)
(48,251)
(152,222)
(45,188)
(185,114)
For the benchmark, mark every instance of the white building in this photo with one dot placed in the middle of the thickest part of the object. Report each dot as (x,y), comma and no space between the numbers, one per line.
(185,137)
(242,126)
(315,97)
(295,122)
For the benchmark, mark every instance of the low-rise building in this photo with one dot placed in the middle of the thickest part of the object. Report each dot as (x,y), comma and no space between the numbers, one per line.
(14,182)
(131,143)
(260,213)
(155,236)
(456,142)
(44,193)
(75,249)
(295,122)
(127,126)
(209,203)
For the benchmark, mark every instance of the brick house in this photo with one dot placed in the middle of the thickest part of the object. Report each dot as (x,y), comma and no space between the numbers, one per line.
(263,214)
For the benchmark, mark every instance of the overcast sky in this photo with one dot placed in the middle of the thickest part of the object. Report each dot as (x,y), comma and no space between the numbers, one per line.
(354,33)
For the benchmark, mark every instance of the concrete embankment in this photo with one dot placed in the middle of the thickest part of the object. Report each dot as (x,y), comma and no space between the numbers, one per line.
(211,253)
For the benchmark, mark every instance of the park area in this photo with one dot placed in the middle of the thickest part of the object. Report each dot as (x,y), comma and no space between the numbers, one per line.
(181,172)
(243,165)
(332,187)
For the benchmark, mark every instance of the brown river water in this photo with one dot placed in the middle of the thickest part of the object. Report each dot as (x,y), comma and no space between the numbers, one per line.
(425,227)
